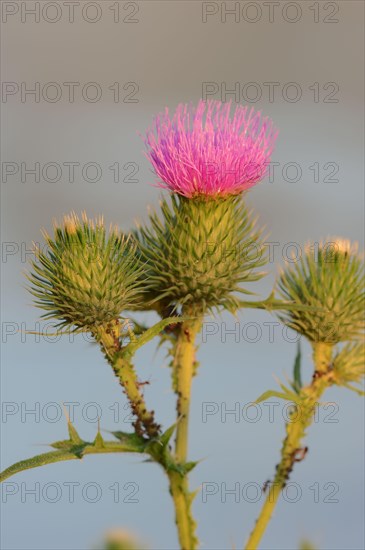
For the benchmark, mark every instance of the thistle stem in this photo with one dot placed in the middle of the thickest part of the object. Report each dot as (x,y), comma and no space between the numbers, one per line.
(292,451)
(124,370)
(184,366)
(184,522)
(145,424)
(183,372)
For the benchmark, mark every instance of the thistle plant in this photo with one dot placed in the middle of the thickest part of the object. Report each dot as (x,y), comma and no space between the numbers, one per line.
(333,283)
(197,256)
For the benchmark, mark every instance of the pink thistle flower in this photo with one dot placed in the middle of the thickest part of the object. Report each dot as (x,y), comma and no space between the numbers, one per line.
(203,151)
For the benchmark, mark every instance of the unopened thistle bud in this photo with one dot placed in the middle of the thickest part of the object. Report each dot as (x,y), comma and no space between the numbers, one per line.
(329,281)
(85,277)
(121,539)
(200,252)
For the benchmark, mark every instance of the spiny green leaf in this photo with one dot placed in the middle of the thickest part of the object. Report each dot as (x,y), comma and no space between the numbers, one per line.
(36,461)
(133,440)
(72,453)
(192,495)
(291,396)
(74,436)
(149,334)
(271,393)
(297,370)
(98,441)
(189,466)
(166,436)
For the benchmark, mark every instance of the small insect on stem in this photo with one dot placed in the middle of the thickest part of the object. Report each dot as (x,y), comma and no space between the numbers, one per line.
(265,485)
(146,383)
(187,334)
(300,454)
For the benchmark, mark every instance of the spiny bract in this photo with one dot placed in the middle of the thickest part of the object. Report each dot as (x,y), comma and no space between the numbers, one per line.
(200,252)
(349,364)
(331,281)
(84,277)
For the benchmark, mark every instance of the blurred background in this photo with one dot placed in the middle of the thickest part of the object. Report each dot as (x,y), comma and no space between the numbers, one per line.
(81,80)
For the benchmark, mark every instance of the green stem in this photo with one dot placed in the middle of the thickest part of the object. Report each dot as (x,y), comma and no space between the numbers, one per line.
(184,367)
(124,370)
(109,339)
(183,371)
(292,451)
(184,522)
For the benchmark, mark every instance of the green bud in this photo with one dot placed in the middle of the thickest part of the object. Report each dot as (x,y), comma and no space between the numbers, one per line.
(85,278)
(200,251)
(121,539)
(330,281)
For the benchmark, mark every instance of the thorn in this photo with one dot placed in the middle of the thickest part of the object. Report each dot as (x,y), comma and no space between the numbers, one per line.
(65,412)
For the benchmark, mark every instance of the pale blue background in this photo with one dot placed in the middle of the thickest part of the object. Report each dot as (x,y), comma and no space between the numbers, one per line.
(169,53)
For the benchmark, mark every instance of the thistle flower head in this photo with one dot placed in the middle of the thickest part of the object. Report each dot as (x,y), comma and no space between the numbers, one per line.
(84,277)
(204,151)
(329,280)
(200,253)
